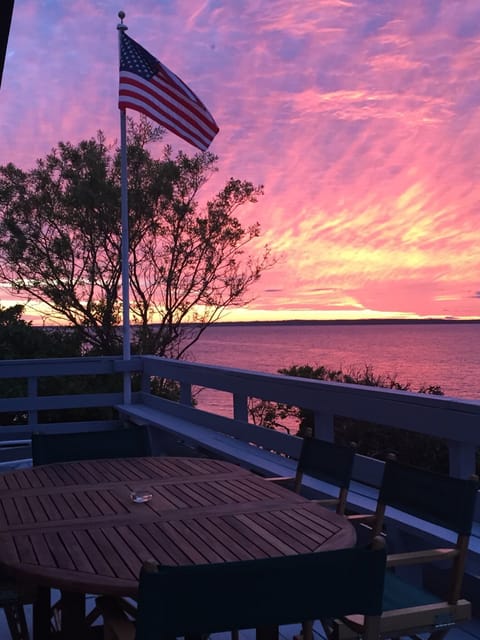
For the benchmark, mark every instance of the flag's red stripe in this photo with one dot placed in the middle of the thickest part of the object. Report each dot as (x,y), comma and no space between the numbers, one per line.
(168,117)
(164,121)
(177,118)
(174,81)
(157,110)
(145,91)
(155,117)
(193,106)
(197,115)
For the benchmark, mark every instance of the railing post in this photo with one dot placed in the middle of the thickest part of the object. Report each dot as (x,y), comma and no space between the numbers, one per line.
(240,407)
(145,383)
(32,386)
(323,426)
(462,459)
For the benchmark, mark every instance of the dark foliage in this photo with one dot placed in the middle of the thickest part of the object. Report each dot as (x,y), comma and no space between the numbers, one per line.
(377,441)
(61,238)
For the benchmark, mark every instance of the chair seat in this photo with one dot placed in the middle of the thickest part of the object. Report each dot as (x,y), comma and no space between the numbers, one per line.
(407,611)
(399,594)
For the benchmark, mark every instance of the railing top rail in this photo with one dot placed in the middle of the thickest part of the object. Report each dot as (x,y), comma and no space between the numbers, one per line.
(223,377)
(45,367)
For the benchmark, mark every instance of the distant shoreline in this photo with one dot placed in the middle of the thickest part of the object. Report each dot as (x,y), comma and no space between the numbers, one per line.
(290,323)
(372,321)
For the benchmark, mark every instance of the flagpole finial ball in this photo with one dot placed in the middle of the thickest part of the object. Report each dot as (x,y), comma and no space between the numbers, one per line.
(121,15)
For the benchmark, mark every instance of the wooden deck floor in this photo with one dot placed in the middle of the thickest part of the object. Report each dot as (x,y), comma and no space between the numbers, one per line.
(468,631)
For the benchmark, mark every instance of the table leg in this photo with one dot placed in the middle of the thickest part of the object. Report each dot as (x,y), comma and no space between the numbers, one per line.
(41,614)
(269,632)
(73,616)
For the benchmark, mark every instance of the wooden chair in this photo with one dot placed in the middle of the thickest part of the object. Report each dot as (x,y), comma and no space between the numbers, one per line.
(194,600)
(48,448)
(441,501)
(88,445)
(326,461)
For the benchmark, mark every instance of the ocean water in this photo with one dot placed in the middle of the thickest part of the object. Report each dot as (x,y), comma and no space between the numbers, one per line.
(447,355)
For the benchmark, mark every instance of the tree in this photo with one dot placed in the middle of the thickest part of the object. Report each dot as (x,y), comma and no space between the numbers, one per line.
(20,339)
(60,242)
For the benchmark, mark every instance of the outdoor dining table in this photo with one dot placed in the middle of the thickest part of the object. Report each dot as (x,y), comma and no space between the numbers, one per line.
(75,527)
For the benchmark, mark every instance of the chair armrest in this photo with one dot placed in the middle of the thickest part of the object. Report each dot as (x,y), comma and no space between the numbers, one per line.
(280,479)
(114,619)
(420,557)
(355,518)
(324,501)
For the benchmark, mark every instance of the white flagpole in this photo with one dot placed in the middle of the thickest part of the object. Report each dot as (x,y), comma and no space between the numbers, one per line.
(127,387)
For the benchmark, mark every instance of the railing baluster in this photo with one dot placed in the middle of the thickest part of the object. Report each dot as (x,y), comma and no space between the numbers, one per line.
(240,407)
(186,393)
(32,394)
(323,426)
(462,459)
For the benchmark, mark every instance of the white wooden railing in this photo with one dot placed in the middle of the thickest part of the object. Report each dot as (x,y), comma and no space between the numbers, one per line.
(454,420)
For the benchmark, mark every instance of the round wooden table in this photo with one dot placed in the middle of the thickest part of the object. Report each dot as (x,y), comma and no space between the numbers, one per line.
(74,527)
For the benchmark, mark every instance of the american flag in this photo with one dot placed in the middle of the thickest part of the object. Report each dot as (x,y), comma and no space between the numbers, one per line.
(146,85)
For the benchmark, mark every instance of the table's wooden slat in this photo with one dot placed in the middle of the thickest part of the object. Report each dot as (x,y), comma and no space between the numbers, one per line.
(283,545)
(116,558)
(59,550)
(244,549)
(39,553)
(160,545)
(83,562)
(213,536)
(88,542)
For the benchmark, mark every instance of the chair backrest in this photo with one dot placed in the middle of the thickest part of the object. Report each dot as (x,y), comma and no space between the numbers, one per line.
(211,598)
(442,500)
(329,462)
(88,445)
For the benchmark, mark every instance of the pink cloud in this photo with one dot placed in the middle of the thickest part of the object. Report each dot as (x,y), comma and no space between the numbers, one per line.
(361,120)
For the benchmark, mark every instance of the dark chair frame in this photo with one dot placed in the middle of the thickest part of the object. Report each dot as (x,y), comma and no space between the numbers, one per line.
(127,442)
(194,600)
(443,501)
(332,463)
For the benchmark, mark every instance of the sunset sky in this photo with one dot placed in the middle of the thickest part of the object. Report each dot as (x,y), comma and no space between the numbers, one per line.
(361,118)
